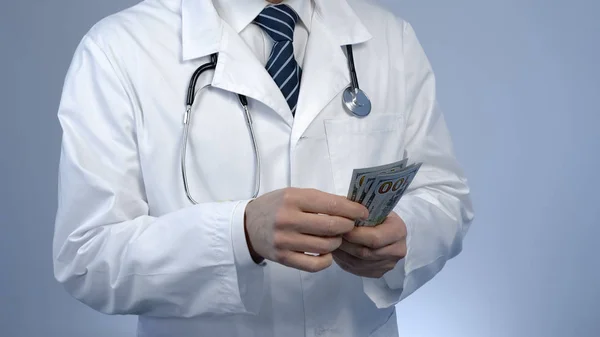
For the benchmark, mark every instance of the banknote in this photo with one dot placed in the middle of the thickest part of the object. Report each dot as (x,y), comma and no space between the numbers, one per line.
(386,194)
(380,188)
(362,179)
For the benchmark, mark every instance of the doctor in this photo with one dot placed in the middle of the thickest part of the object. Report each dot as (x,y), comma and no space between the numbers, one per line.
(129,241)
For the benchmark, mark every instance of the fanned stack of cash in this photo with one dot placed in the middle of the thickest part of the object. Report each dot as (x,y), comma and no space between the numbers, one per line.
(380,188)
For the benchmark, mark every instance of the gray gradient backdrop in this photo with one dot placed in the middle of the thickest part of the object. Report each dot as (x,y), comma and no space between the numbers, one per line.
(518,80)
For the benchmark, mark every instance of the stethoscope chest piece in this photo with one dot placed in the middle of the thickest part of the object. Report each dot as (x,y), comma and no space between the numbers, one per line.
(356,101)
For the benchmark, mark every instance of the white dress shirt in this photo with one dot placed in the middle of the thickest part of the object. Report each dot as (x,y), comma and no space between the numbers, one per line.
(239,14)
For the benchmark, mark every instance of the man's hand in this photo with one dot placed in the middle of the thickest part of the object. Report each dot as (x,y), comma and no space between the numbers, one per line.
(373,251)
(282,225)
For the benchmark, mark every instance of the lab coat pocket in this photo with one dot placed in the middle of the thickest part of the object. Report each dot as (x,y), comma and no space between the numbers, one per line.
(358,143)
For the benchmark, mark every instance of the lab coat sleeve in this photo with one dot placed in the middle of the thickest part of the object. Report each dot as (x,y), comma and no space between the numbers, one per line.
(437,207)
(108,252)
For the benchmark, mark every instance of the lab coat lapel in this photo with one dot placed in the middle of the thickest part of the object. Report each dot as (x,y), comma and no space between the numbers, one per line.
(325,72)
(240,71)
(325,75)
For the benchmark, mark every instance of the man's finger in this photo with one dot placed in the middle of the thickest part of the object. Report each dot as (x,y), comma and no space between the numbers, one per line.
(359,251)
(395,251)
(341,261)
(322,224)
(348,262)
(390,231)
(356,265)
(297,242)
(304,262)
(315,201)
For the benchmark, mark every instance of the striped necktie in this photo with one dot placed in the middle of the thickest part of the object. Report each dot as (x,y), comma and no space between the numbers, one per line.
(279,21)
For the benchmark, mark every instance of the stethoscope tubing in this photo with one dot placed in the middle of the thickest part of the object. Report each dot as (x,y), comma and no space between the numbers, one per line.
(191,95)
(350,104)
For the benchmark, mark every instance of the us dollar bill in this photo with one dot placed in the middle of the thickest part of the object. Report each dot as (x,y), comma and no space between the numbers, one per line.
(382,209)
(382,190)
(385,192)
(362,179)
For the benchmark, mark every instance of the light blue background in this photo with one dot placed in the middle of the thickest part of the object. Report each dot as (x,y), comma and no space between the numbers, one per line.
(518,81)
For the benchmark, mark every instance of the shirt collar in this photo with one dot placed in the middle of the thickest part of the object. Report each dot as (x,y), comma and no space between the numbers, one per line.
(240,13)
(203,20)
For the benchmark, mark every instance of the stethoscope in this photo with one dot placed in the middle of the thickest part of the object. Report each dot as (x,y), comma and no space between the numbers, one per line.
(354,100)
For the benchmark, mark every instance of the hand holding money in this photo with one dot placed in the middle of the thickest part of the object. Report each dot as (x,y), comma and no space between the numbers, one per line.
(281,225)
(373,251)
(376,244)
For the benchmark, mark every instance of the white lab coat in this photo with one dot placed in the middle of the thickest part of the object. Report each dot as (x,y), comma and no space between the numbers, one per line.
(127,240)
